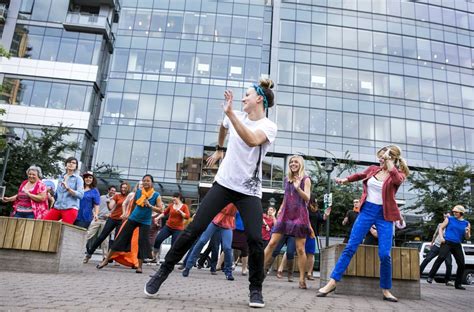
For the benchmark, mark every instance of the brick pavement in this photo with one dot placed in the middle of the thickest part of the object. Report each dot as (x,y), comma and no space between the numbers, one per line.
(117,288)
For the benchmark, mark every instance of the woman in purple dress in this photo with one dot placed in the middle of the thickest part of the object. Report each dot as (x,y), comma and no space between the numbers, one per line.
(293,219)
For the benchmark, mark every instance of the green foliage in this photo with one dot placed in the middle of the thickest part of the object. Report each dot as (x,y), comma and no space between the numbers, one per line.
(440,190)
(4,52)
(46,150)
(343,195)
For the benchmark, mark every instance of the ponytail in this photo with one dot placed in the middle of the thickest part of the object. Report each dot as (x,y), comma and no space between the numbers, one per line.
(402,163)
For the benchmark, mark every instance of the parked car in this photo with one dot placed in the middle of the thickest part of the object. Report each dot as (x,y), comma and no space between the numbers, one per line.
(468,250)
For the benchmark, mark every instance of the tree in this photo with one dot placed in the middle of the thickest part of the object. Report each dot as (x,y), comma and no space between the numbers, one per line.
(343,195)
(107,174)
(49,150)
(440,190)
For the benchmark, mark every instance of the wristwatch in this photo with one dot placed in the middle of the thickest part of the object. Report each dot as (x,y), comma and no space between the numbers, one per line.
(219,148)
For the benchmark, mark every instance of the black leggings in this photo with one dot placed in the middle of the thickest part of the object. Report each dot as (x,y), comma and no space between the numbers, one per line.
(250,208)
(109,226)
(446,250)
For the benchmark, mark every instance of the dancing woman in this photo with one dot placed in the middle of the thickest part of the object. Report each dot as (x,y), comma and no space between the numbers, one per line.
(146,200)
(237,181)
(294,219)
(378,206)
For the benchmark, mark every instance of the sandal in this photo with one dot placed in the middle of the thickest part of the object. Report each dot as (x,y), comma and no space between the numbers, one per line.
(279,274)
(102,264)
(302,285)
(139,271)
(310,277)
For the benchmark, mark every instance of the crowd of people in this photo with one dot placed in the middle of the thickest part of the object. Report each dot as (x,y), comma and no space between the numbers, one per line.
(130,225)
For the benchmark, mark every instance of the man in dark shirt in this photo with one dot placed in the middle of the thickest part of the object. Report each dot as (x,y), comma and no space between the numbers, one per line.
(350,218)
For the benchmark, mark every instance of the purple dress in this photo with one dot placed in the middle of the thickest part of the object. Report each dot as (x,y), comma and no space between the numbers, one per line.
(294,219)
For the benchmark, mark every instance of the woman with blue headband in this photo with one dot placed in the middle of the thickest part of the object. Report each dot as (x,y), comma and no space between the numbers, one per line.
(237,181)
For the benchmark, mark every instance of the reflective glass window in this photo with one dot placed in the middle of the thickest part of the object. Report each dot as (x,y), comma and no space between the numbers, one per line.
(424,49)
(395,45)
(454,94)
(428,134)
(411,88)
(180,109)
(300,119)
(122,152)
(146,106)
(105,150)
(381,82)
(223,27)
(365,40)
(317,123)
(398,130)
(465,57)
(75,99)
(334,37)
(396,86)
(334,123)
(139,157)
(443,137)
(426,90)
(239,26)
(468,97)
(318,76)
(25,92)
(409,47)
(202,64)
(112,105)
(136,60)
(40,95)
(120,60)
(236,68)
(197,111)
(252,69)
(285,73)
(350,125)
(219,66)
(129,105)
(349,36)
(284,117)
(175,22)
(41,10)
(174,156)
(318,35)
(440,92)
(302,75)
(413,131)
(382,128)
(350,81)
(85,51)
(469,139)
(451,54)
(303,33)
(379,42)
(334,78)
(288,30)
(207,24)
(152,62)
(366,127)
(58,96)
(142,19)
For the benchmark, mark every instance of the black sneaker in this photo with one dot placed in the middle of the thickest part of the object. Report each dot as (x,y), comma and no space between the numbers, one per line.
(256,299)
(228,276)
(460,287)
(153,285)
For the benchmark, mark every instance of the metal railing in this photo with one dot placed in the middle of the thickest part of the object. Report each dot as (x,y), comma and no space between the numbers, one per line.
(92,21)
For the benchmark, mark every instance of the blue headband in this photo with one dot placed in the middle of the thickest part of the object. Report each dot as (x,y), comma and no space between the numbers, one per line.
(259,91)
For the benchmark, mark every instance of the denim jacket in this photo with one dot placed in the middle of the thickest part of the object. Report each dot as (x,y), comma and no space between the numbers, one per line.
(64,199)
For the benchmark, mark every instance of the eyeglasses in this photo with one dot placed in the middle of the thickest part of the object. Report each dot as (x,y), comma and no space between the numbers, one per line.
(456,211)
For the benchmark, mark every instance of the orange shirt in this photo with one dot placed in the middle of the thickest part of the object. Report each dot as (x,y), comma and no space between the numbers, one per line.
(176,220)
(117,213)
(226,218)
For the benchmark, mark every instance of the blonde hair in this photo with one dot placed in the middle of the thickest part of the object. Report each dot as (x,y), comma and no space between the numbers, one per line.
(301,172)
(396,155)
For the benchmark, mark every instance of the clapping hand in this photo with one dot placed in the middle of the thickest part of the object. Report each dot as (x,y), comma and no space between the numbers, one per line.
(341,181)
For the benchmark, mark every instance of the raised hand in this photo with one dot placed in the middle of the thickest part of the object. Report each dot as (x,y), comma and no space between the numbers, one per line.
(229,97)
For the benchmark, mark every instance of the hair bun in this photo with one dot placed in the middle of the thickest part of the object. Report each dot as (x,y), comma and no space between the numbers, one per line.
(266,83)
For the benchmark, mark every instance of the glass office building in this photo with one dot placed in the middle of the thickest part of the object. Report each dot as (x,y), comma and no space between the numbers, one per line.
(350,76)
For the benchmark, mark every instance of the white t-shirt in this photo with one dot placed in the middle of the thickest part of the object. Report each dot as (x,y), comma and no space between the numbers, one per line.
(238,166)
(374,191)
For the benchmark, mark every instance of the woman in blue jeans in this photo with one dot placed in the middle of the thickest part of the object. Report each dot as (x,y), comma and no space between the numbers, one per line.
(380,184)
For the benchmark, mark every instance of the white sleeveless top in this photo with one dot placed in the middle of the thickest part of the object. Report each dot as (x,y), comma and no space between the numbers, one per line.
(374,191)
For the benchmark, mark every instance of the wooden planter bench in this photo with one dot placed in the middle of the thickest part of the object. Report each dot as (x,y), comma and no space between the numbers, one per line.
(40,246)
(363,273)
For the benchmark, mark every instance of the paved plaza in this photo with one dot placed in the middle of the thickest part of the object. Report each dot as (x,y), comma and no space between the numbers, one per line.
(117,288)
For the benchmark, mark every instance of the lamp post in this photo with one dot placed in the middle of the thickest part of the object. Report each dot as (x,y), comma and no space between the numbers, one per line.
(10,139)
(328,165)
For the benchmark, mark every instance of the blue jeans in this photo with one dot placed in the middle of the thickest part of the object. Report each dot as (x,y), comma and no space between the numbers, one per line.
(166,232)
(369,214)
(290,247)
(226,238)
(26,215)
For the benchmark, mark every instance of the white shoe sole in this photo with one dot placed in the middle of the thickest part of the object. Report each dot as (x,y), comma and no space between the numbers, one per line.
(148,294)
(256,305)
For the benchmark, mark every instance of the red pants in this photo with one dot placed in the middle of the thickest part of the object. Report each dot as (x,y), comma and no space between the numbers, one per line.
(67,215)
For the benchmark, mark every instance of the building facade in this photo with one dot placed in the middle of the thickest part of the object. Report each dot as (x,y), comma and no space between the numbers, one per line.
(58,65)
(350,76)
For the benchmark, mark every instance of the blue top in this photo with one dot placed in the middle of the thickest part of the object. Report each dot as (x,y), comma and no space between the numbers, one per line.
(143,214)
(239,224)
(64,200)
(455,230)
(91,198)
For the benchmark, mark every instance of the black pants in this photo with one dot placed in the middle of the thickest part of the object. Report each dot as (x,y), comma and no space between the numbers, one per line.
(109,226)
(250,208)
(123,242)
(434,251)
(445,251)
